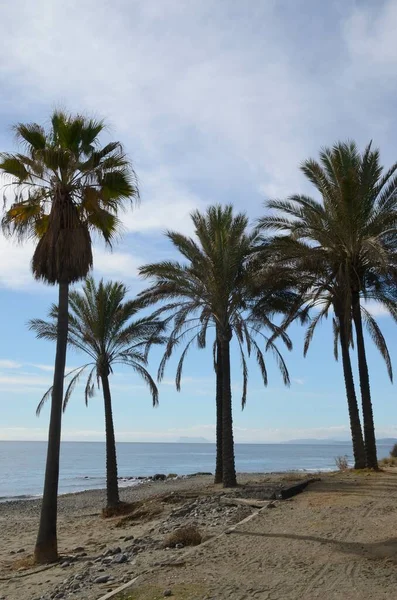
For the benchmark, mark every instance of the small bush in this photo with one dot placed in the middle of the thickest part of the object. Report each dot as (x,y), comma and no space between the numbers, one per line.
(188,536)
(388,462)
(342,463)
(393,451)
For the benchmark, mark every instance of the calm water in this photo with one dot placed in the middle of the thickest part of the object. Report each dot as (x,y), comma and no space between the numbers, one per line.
(83,463)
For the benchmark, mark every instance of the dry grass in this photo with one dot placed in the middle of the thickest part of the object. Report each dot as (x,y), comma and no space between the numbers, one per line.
(123,508)
(27,562)
(391,461)
(181,591)
(188,536)
(342,463)
(143,511)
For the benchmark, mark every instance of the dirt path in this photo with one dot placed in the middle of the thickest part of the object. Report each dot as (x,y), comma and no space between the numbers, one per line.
(338,540)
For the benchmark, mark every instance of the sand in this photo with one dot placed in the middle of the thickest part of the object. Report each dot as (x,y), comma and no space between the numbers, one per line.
(336,540)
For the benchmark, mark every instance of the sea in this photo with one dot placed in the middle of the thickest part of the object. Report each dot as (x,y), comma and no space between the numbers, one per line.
(83,463)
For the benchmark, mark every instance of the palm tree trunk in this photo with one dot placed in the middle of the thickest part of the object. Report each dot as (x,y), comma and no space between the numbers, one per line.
(219,424)
(368,418)
(229,469)
(112,489)
(46,549)
(354,415)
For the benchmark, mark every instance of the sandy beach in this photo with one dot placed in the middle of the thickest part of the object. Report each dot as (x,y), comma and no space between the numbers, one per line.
(336,540)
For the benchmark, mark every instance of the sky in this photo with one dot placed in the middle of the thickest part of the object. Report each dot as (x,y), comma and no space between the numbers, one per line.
(215,101)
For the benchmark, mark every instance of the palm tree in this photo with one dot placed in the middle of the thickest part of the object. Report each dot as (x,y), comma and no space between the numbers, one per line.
(66,187)
(103,325)
(355,227)
(211,291)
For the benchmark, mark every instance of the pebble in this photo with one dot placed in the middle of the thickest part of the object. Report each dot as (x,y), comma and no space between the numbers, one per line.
(102,579)
(20,550)
(120,559)
(65,564)
(167,593)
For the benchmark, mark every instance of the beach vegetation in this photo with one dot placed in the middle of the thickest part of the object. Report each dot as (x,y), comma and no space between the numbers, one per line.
(348,240)
(186,536)
(210,290)
(60,189)
(105,326)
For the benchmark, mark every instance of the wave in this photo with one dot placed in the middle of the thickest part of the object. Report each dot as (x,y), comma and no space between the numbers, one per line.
(20,497)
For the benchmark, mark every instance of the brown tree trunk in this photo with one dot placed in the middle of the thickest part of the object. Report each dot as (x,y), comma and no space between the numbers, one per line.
(229,469)
(46,549)
(368,418)
(219,423)
(112,488)
(354,415)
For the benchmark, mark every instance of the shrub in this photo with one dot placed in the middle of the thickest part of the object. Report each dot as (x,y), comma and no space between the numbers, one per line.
(342,463)
(188,536)
(393,451)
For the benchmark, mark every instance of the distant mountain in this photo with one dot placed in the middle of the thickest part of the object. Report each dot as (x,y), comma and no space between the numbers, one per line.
(385,441)
(314,441)
(193,440)
(390,441)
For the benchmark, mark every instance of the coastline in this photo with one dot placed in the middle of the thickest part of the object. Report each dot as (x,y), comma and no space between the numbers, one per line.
(304,534)
(134,482)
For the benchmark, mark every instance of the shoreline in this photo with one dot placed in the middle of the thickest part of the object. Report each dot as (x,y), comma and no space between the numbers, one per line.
(142,480)
(99,554)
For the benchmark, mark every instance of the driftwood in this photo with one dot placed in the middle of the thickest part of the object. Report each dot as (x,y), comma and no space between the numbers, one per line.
(244,502)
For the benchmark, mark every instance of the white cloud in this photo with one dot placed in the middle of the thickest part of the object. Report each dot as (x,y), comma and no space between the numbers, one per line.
(370,34)
(116,264)
(226,119)
(9,364)
(23,381)
(15,260)
(166,204)
(376,309)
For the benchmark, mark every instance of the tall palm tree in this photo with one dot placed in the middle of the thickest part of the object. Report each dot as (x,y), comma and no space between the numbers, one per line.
(355,228)
(210,290)
(103,325)
(301,271)
(66,187)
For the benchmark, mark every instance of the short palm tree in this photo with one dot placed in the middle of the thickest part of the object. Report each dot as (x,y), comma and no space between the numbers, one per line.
(103,325)
(355,226)
(66,187)
(210,290)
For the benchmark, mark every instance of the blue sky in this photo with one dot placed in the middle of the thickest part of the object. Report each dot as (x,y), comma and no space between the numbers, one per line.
(215,101)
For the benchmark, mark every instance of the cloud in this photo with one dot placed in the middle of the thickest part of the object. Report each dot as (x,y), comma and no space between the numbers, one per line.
(370,38)
(22,378)
(23,381)
(15,271)
(228,119)
(376,309)
(9,364)
(166,204)
(116,264)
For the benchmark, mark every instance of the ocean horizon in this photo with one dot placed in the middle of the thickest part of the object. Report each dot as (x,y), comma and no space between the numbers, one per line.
(82,467)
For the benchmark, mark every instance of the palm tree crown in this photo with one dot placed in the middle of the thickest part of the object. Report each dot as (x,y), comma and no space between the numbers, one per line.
(103,325)
(65,187)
